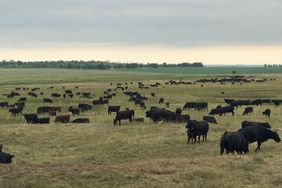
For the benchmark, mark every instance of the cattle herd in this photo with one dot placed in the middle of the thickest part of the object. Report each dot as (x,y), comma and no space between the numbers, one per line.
(231,142)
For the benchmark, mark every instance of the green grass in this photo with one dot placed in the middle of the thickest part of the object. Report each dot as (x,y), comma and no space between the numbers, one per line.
(132,155)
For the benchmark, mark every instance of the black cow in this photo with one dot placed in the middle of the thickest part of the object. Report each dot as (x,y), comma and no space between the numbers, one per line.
(240,103)
(210,119)
(5,158)
(113,109)
(228,101)
(74,111)
(256,102)
(159,114)
(84,107)
(4,104)
(32,94)
(56,95)
(252,123)
(31,118)
(222,110)
(198,128)
(267,113)
(81,120)
(189,105)
(44,109)
(276,102)
(233,141)
(248,110)
(123,115)
(161,100)
(259,134)
(201,106)
(15,111)
(47,100)
(22,99)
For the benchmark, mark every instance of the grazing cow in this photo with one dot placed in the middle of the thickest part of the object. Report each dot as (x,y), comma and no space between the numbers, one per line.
(196,106)
(259,134)
(74,111)
(277,102)
(20,104)
(240,103)
(233,141)
(267,113)
(81,120)
(31,118)
(252,123)
(43,120)
(223,110)
(248,110)
(5,158)
(47,100)
(228,101)
(84,107)
(44,109)
(4,104)
(198,128)
(256,102)
(62,119)
(153,94)
(32,94)
(15,111)
(201,106)
(210,119)
(189,105)
(22,99)
(56,95)
(161,100)
(159,114)
(113,109)
(128,114)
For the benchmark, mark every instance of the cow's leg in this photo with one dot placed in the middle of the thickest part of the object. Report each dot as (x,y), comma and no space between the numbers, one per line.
(119,121)
(259,143)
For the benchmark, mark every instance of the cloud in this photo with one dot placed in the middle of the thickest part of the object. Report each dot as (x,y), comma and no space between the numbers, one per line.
(180,23)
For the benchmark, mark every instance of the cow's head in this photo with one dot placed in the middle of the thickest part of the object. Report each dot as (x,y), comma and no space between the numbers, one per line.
(276,137)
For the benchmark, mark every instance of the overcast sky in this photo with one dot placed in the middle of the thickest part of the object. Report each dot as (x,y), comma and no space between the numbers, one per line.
(175,24)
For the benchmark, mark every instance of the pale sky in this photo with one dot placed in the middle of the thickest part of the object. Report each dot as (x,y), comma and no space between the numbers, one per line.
(210,31)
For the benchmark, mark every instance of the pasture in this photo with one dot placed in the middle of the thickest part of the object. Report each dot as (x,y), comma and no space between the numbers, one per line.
(100,154)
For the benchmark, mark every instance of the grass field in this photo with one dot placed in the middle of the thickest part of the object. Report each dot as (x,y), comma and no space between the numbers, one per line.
(212,70)
(133,155)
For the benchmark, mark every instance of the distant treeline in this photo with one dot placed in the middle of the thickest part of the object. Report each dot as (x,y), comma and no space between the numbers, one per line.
(274,65)
(89,65)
